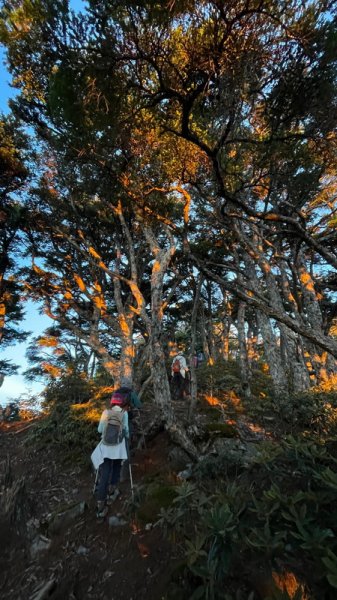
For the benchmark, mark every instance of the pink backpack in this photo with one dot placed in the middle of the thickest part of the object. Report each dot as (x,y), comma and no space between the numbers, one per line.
(176,366)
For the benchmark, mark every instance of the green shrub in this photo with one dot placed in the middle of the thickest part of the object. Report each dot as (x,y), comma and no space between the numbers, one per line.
(281,508)
(70,426)
(222,376)
(311,410)
(158,495)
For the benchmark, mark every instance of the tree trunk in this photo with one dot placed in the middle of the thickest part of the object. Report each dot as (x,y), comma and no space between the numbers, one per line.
(271,348)
(292,344)
(210,323)
(194,383)
(227,322)
(243,355)
(252,343)
(203,334)
(323,364)
(273,356)
(284,358)
(162,257)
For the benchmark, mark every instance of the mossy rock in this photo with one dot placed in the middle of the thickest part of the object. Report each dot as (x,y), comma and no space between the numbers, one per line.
(157,496)
(208,410)
(221,430)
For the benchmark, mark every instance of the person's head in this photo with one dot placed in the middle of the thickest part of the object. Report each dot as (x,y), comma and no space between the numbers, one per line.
(120,399)
(126,382)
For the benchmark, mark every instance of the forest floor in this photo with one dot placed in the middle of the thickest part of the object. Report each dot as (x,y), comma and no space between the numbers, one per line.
(77,557)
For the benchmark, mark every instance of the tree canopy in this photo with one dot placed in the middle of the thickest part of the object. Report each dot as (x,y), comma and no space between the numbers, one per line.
(192,148)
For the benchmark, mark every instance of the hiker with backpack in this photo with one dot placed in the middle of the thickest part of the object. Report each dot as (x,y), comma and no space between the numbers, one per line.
(134,401)
(179,373)
(111,450)
(134,404)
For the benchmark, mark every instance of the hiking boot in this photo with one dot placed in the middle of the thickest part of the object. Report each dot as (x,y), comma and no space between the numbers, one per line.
(101,509)
(113,495)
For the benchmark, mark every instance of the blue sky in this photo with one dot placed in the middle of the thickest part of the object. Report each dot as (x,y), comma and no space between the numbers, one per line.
(15,386)
(6,91)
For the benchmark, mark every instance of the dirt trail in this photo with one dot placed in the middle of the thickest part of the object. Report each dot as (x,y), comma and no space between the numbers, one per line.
(85,559)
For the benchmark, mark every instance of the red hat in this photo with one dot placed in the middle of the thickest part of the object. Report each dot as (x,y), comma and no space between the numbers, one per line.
(118,398)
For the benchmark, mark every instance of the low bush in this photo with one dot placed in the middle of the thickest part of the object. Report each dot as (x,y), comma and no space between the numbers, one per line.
(71,426)
(280,510)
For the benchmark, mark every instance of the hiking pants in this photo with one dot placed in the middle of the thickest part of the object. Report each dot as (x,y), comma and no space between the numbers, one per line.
(109,474)
(178,386)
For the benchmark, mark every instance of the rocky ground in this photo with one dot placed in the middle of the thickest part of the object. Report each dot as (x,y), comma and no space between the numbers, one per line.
(51,543)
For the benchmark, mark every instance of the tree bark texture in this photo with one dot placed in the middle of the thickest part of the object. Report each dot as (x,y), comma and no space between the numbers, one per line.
(243,355)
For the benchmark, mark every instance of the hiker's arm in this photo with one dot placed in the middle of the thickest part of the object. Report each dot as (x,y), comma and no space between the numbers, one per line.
(102,421)
(135,401)
(183,363)
(126,424)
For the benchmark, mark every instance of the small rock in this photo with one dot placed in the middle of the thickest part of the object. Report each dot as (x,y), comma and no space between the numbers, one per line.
(178,459)
(40,544)
(32,527)
(82,550)
(116,521)
(186,474)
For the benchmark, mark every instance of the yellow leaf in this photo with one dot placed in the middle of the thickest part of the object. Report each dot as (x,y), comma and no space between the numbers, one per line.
(80,282)
(93,252)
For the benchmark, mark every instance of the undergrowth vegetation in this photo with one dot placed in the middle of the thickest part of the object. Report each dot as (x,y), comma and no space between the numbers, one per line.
(258,520)
(278,515)
(73,407)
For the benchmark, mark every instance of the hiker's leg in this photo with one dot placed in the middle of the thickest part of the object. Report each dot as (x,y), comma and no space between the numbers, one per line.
(104,476)
(186,391)
(172,386)
(116,471)
(175,385)
(181,386)
(115,478)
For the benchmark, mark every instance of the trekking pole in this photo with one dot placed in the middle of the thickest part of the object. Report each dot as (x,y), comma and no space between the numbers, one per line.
(130,470)
(95,483)
(131,482)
